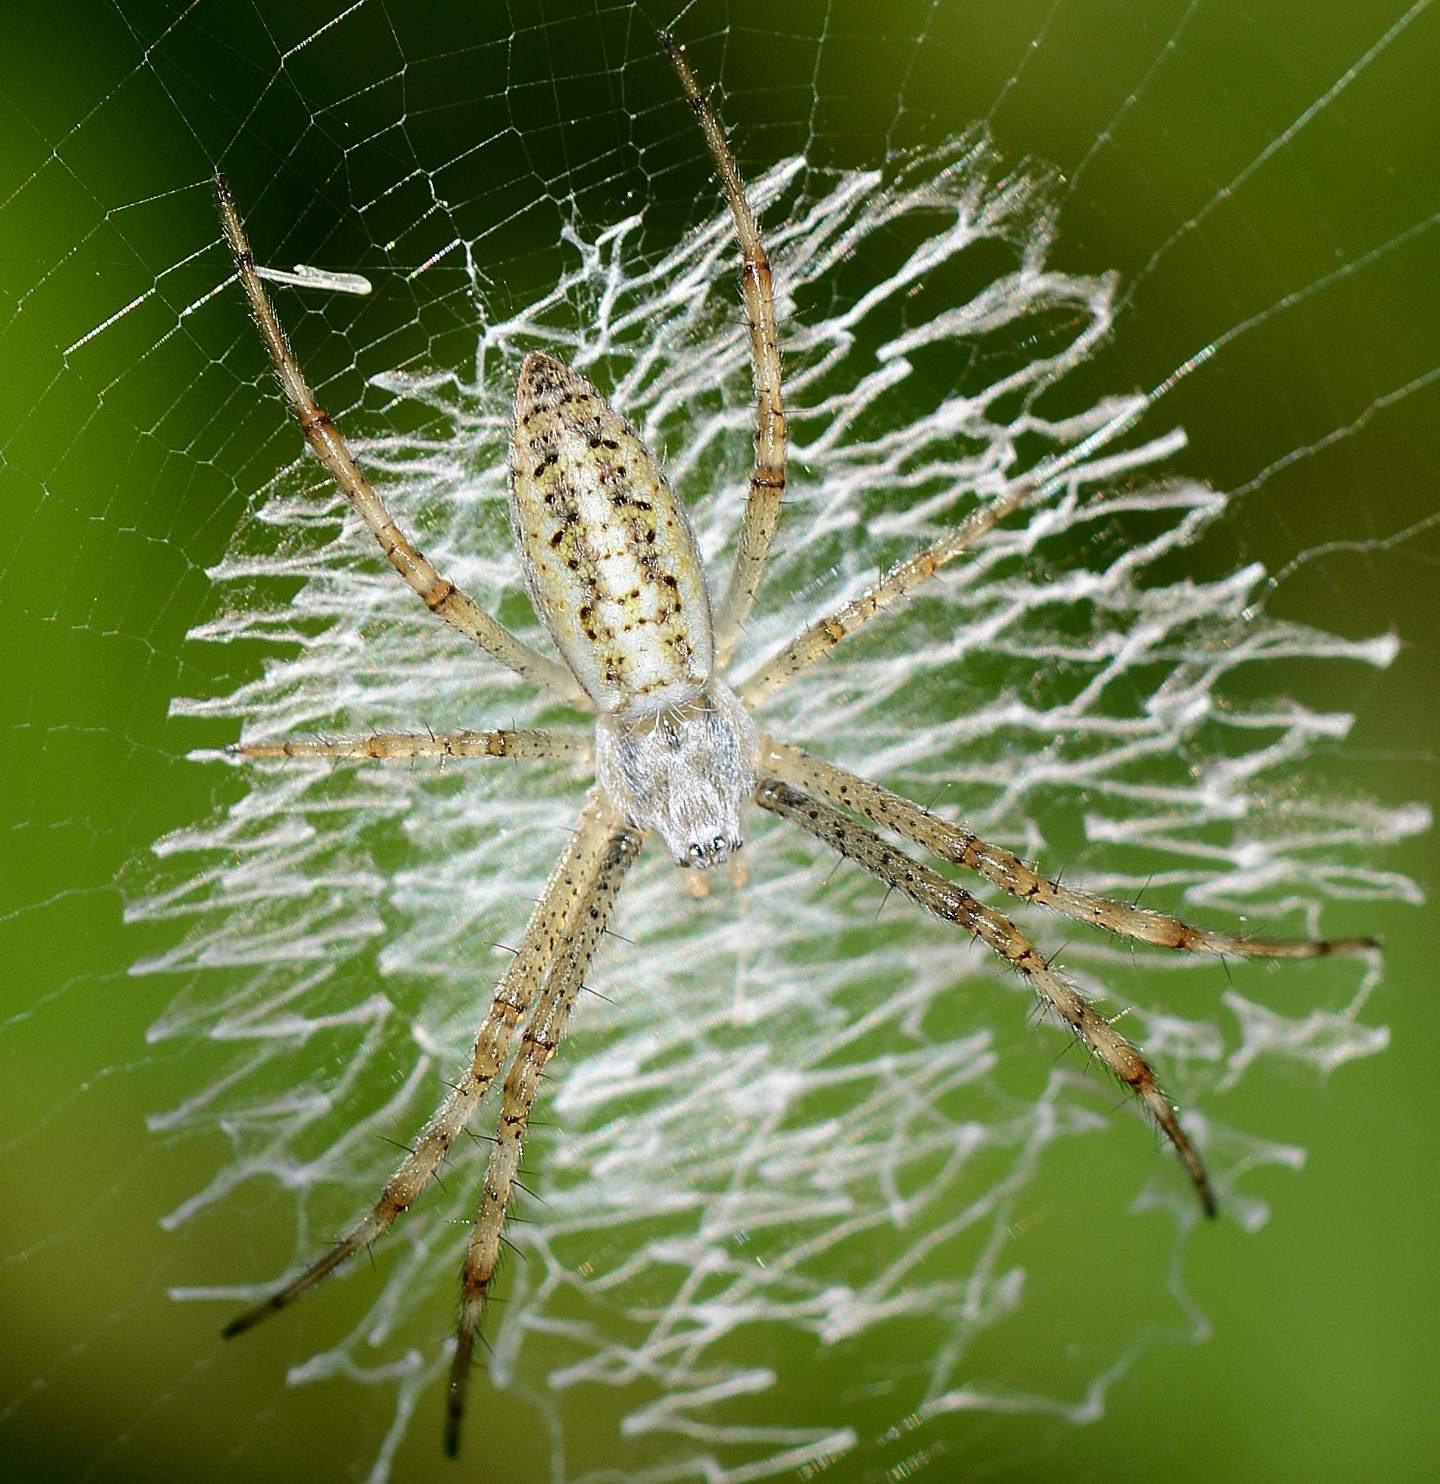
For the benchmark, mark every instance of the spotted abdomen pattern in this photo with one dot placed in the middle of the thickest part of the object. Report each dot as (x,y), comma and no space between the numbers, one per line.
(610,559)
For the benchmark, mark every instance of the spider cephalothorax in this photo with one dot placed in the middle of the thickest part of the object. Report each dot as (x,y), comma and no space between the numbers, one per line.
(612,567)
(685,772)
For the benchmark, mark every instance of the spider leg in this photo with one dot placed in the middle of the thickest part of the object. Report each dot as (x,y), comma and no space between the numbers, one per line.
(538,1044)
(549,930)
(440,596)
(1001,868)
(560,745)
(945,900)
(816,641)
(767,476)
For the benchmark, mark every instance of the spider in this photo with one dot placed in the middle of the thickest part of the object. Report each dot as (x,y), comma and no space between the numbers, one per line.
(613,571)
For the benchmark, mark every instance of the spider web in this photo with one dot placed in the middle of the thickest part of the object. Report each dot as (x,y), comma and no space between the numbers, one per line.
(811,1193)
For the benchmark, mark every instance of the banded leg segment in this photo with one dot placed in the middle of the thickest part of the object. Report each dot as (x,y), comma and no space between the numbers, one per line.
(538,1044)
(815,642)
(550,929)
(767,476)
(945,900)
(1008,872)
(508,743)
(440,595)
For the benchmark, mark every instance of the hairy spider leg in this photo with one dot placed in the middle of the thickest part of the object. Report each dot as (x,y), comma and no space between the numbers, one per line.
(816,641)
(440,595)
(547,936)
(963,848)
(945,900)
(561,746)
(539,1042)
(767,475)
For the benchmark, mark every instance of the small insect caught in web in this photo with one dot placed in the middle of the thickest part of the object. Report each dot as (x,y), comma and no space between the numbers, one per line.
(645,641)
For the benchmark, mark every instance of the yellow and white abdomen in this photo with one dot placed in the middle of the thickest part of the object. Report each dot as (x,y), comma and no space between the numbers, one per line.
(610,559)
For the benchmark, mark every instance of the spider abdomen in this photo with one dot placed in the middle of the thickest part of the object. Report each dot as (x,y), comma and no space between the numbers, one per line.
(610,559)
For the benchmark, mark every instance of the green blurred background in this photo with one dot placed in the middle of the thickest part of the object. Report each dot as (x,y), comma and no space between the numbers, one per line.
(1323,1359)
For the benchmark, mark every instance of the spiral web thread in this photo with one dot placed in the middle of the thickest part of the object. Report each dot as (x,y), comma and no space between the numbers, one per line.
(787,1113)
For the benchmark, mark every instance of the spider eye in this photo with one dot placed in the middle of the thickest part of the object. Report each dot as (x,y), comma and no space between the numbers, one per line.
(717,845)
(697,853)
